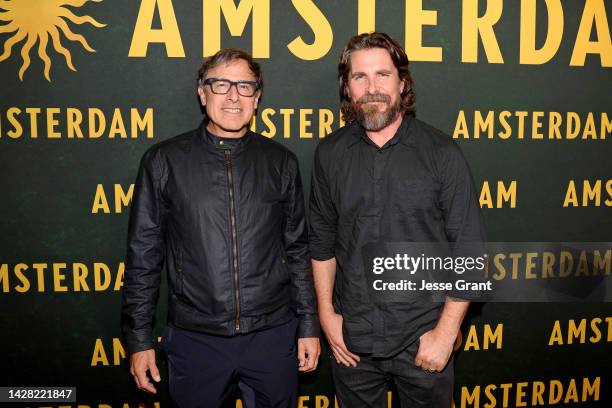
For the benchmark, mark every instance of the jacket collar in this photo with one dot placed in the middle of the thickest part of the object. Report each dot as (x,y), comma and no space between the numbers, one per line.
(221,143)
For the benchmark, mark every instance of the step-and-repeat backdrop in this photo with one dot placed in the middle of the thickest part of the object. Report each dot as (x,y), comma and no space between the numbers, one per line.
(87,86)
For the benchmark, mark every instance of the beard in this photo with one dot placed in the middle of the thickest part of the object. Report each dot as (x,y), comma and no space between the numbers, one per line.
(370,117)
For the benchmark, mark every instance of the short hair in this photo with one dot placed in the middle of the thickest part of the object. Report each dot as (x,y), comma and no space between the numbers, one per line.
(398,56)
(226,56)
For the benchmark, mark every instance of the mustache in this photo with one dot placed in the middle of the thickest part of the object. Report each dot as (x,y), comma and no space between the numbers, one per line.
(377,97)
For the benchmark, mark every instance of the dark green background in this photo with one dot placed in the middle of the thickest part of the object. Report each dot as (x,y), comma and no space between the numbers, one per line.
(48,185)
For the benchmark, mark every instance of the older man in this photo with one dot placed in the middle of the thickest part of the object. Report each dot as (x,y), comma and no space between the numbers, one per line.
(223,207)
(386,177)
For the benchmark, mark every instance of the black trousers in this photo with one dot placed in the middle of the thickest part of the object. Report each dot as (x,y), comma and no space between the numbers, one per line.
(204,370)
(367,384)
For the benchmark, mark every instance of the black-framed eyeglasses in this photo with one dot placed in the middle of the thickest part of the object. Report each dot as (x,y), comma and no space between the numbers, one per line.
(222,86)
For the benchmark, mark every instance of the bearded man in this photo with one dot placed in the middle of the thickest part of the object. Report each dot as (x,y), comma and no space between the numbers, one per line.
(386,176)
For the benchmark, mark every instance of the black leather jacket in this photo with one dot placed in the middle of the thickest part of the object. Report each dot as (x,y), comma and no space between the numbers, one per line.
(229,223)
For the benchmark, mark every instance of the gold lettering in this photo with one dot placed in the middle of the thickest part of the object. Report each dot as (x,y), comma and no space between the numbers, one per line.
(596,337)
(122,198)
(99,355)
(572,393)
(520,394)
(503,116)
(139,123)
(97,123)
(265,116)
(117,127)
(528,52)
(601,264)
(491,337)
(144,33)
(589,389)
(79,273)
(52,122)
(74,118)
(556,336)
(538,391)
(305,123)
(326,118)
(366,16)
(100,202)
(286,122)
(591,193)
(236,18)
(505,195)
(323,33)
(33,112)
(536,125)
(594,13)
(416,18)
(554,124)
(118,352)
(571,197)
(59,277)
(40,271)
(24,286)
(17,130)
(575,332)
(468,398)
(461,128)
(475,27)
(483,125)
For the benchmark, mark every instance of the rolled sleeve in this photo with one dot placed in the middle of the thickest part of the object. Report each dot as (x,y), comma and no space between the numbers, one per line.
(323,215)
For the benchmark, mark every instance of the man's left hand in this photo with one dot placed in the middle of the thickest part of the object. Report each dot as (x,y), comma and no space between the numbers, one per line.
(309,349)
(435,349)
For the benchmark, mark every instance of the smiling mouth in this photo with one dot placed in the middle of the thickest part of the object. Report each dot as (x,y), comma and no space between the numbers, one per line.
(232,110)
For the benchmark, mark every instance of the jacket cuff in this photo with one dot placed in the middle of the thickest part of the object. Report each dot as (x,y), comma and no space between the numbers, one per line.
(309,326)
(138,341)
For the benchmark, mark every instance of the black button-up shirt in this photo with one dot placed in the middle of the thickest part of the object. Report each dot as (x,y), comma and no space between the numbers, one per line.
(415,188)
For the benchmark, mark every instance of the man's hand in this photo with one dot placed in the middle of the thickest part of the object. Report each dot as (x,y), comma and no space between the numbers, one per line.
(331,322)
(435,349)
(309,349)
(140,363)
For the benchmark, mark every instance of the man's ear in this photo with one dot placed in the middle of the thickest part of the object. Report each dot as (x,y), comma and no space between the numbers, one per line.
(202,95)
(257,96)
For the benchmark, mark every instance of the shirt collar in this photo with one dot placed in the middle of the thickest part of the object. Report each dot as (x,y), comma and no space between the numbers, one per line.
(404,134)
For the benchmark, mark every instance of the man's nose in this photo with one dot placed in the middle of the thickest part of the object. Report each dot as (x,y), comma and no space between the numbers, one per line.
(371,86)
(233,94)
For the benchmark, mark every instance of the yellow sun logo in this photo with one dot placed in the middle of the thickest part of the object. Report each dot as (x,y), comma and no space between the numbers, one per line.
(34,20)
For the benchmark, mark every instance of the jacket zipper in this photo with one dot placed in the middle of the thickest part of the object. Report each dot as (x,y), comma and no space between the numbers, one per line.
(232,208)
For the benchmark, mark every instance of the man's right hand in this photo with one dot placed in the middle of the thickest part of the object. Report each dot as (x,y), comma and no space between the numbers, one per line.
(331,323)
(140,363)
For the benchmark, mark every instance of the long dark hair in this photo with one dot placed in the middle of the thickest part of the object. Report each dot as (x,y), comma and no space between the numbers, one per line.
(399,58)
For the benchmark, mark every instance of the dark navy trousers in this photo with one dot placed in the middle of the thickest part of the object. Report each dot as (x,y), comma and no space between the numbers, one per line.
(204,370)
